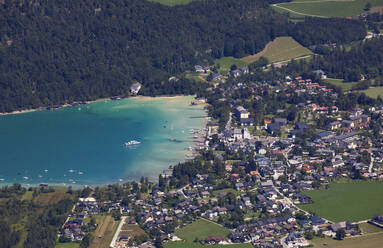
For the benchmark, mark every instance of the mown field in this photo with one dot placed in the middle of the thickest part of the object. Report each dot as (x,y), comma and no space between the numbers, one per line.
(172,2)
(225,63)
(345,86)
(103,235)
(201,229)
(326,8)
(374,92)
(368,241)
(354,201)
(281,49)
(198,245)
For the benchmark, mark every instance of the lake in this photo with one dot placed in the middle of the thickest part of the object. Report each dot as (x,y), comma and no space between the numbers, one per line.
(85,145)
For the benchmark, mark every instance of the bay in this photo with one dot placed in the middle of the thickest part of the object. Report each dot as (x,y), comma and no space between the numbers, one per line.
(84,145)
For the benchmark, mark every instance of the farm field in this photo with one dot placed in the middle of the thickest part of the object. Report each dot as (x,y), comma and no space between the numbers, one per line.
(225,63)
(103,235)
(346,86)
(198,245)
(374,92)
(172,2)
(353,201)
(201,229)
(326,8)
(280,49)
(367,241)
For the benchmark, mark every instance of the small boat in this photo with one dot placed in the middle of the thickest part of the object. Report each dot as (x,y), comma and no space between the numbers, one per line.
(71,171)
(80,172)
(132,143)
(45,170)
(26,178)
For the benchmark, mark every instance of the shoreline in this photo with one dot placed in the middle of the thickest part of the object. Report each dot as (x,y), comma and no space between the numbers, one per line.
(143,98)
(183,156)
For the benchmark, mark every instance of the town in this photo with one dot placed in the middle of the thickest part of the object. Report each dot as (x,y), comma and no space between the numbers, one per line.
(268,144)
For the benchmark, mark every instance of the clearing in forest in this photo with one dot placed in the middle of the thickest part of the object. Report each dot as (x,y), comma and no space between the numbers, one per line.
(326,8)
(280,49)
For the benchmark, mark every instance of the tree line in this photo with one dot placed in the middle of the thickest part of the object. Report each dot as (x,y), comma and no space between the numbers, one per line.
(54,52)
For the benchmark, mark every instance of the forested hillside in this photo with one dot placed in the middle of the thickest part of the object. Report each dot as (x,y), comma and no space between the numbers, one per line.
(57,51)
(364,59)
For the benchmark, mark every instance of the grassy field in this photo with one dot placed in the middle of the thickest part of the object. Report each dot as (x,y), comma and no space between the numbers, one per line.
(326,8)
(374,92)
(352,201)
(280,49)
(201,229)
(367,228)
(132,230)
(51,198)
(172,2)
(340,83)
(67,245)
(104,232)
(225,63)
(198,245)
(365,241)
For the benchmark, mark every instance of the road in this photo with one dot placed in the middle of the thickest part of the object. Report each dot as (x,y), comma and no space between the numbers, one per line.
(288,200)
(112,244)
(181,190)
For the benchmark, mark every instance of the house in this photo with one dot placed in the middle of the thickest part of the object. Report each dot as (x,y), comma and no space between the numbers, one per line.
(245,134)
(241,113)
(320,74)
(377,220)
(214,77)
(335,125)
(273,128)
(337,226)
(214,240)
(237,134)
(135,88)
(325,135)
(280,121)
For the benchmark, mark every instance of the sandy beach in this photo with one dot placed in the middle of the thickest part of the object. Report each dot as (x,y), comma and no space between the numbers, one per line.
(143,98)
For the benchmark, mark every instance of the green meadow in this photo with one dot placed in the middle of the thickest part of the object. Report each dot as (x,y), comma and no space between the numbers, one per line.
(374,92)
(345,86)
(172,2)
(326,8)
(201,229)
(353,201)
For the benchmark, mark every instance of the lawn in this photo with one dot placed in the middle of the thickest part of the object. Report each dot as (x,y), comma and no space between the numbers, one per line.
(367,241)
(225,63)
(353,201)
(280,49)
(326,8)
(345,86)
(67,245)
(201,229)
(198,245)
(374,92)
(172,2)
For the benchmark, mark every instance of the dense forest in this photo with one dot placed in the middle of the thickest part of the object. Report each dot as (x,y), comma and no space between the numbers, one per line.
(31,222)
(53,52)
(363,60)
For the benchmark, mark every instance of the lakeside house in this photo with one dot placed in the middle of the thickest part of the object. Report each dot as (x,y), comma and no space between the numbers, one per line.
(135,88)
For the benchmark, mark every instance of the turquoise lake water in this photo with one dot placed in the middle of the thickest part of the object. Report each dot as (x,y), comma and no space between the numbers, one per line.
(84,145)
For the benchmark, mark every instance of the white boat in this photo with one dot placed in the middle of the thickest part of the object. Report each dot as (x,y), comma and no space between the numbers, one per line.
(132,143)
